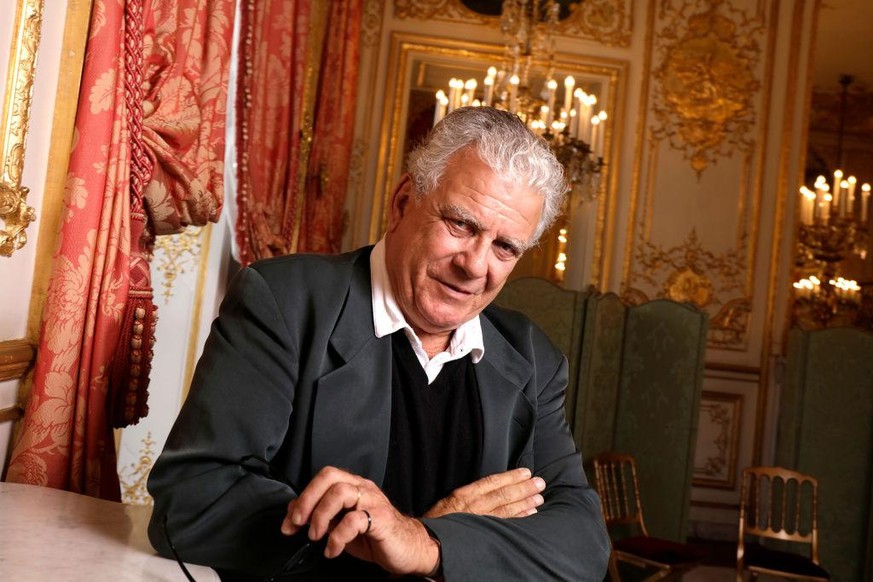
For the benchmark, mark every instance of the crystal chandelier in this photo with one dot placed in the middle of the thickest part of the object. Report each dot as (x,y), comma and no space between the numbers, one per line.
(834,223)
(525,84)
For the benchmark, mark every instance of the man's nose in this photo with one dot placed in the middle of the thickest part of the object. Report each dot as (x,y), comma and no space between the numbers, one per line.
(473,259)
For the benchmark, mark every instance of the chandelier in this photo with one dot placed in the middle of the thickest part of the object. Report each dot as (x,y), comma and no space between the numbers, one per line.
(525,84)
(834,223)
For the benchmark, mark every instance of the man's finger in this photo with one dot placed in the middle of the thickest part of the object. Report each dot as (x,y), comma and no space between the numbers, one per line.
(353,524)
(338,498)
(299,511)
(499,480)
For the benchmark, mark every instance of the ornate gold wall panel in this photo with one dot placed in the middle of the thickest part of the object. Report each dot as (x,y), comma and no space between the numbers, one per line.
(609,22)
(706,81)
(701,134)
(134,476)
(371,27)
(716,463)
(177,253)
(15,214)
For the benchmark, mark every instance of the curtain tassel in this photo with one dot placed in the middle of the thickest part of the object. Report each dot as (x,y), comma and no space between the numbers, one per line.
(130,375)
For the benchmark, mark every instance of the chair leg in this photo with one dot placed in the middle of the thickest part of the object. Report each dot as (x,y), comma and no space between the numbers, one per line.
(659,575)
(613,568)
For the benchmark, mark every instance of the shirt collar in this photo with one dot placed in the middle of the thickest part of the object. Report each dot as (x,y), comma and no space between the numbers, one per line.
(387,317)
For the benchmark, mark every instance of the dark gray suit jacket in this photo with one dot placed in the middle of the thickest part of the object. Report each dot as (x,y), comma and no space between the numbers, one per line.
(292,372)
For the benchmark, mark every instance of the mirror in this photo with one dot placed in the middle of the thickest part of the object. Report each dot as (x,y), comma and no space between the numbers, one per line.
(419,66)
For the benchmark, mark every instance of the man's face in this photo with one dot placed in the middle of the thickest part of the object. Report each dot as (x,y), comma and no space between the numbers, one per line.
(450,254)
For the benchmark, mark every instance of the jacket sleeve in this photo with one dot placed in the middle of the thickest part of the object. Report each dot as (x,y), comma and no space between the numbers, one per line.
(218,504)
(566,539)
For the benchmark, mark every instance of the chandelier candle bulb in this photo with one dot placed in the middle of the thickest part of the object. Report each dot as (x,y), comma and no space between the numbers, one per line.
(807,205)
(865,196)
(489,90)
(579,112)
(569,83)
(470,89)
(459,92)
(551,88)
(595,135)
(513,94)
(442,105)
(601,133)
(851,182)
(847,200)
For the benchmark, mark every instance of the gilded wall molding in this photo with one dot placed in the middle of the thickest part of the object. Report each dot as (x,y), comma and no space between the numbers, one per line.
(608,22)
(176,254)
(689,273)
(15,214)
(371,26)
(16,359)
(706,84)
(707,71)
(133,478)
(716,463)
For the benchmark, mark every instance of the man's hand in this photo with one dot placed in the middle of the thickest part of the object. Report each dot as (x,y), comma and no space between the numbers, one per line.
(510,494)
(357,518)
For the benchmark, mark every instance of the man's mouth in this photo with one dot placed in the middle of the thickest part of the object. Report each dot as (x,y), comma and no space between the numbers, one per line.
(457,290)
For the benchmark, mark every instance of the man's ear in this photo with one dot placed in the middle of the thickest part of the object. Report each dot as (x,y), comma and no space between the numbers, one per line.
(401,197)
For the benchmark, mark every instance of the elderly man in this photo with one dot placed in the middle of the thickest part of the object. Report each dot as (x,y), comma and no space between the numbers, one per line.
(369,415)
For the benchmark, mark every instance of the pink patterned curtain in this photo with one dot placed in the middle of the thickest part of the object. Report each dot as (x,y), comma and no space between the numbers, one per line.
(146,159)
(296,97)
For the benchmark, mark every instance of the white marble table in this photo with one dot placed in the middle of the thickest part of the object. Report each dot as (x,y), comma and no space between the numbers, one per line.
(47,534)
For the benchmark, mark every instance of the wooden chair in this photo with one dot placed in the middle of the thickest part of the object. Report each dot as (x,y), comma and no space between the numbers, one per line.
(617,484)
(779,504)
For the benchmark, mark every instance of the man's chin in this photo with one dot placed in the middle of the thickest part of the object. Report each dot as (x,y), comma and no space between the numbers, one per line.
(436,325)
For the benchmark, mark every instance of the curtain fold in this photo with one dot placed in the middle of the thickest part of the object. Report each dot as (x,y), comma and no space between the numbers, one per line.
(298,76)
(146,159)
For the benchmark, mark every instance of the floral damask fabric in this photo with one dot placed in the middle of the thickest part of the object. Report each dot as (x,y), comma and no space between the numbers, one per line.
(184,110)
(66,440)
(296,96)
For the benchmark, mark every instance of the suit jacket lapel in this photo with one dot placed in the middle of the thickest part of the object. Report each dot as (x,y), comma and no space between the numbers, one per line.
(507,413)
(352,417)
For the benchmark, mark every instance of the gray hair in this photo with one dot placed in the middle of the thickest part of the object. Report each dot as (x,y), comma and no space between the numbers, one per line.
(504,143)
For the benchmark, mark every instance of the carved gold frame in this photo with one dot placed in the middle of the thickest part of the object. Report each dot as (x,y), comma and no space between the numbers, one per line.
(728,443)
(407,50)
(15,214)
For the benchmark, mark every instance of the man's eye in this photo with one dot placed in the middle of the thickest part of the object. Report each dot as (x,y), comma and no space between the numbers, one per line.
(459,224)
(506,249)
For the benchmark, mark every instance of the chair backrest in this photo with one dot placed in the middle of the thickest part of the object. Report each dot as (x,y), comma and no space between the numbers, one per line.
(615,476)
(780,504)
